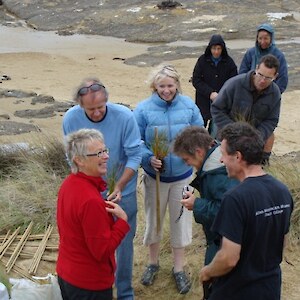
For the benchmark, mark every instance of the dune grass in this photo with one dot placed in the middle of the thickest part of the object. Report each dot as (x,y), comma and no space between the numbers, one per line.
(30,179)
(287,170)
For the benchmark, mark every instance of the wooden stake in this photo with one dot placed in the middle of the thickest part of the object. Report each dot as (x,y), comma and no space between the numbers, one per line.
(32,237)
(18,249)
(22,272)
(157,203)
(40,251)
(5,246)
(5,237)
(157,192)
(29,255)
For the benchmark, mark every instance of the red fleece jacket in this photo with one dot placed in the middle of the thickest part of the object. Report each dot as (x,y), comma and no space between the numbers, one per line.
(88,234)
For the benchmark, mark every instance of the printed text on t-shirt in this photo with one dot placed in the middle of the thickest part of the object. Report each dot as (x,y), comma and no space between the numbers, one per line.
(275,210)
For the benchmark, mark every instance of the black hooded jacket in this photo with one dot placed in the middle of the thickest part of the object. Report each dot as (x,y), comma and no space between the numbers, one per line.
(208,77)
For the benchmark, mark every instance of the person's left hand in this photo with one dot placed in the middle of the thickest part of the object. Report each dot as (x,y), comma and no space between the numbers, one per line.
(116,210)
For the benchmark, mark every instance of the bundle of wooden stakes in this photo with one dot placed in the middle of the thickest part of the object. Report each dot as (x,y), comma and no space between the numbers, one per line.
(23,247)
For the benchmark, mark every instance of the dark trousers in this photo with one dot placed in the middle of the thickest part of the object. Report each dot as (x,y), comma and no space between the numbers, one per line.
(71,292)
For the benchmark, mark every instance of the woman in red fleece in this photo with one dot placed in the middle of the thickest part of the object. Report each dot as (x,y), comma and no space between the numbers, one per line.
(90,228)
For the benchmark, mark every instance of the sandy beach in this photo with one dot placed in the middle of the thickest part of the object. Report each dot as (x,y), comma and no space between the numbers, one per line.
(53,65)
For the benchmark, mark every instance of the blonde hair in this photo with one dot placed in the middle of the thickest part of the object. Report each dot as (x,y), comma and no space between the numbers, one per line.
(163,71)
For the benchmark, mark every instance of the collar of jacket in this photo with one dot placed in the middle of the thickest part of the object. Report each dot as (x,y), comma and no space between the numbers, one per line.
(98,182)
(163,103)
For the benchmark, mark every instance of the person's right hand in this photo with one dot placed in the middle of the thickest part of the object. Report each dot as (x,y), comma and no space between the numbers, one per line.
(155,163)
(213,96)
(188,203)
(116,210)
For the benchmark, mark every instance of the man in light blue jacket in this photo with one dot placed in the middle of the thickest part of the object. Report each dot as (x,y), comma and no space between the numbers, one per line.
(122,137)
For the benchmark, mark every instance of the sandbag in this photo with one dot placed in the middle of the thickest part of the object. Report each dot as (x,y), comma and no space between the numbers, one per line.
(3,292)
(25,289)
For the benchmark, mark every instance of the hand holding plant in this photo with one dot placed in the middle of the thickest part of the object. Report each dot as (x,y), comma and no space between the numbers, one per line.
(114,193)
(160,149)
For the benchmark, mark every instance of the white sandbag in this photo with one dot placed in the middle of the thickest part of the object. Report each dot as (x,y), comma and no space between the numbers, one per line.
(24,289)
(3,292)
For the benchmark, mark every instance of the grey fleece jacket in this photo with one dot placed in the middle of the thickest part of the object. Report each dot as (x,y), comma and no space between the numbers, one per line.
(235,102)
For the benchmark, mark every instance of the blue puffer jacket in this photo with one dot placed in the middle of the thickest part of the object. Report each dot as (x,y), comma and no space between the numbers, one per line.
(211,182)
(253,55)
(169,118)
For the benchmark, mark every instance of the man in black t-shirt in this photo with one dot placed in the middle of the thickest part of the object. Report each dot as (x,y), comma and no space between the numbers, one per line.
(253,222)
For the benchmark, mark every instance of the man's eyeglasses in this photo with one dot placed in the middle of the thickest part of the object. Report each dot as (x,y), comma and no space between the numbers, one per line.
(270,79)
(93,87)
(100,153)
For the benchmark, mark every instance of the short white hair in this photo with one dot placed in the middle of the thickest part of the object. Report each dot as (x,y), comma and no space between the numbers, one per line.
(76,144)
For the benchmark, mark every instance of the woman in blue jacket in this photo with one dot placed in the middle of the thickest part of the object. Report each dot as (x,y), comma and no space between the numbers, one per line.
(265,44)
(166,112)
(211,71)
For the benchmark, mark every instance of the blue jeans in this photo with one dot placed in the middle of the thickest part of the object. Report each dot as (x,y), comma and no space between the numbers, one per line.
(125,250)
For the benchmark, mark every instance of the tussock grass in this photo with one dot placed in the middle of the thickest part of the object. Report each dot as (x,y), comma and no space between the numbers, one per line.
(287,170)
(30,179)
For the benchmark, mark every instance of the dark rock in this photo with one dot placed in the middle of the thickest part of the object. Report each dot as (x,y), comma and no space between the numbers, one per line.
(119,58)
(65,32)
(150,24)
(5,116)
(42,99)
(5,77)
(168,4)
(45,112)
(16,94)
(62,106)
(12,128)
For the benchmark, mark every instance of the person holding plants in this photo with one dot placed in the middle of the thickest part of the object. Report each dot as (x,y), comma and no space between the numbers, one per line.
(252,97)
(90,229)
(198,149)
(122,137)
(160,118)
